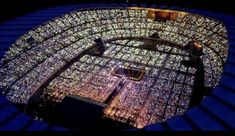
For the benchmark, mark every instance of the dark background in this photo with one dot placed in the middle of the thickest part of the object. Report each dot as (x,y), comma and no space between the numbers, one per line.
(12,8)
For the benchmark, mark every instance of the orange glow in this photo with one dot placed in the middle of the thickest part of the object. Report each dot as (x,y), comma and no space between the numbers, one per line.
(198,46)
(160,13)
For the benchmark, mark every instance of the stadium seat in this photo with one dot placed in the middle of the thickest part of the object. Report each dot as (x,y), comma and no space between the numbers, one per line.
(6,112)
(215,112)
(203,120)
(133,5)
(2,52)
(228,81)
(178,124)
(17,123)
(229,68)
(231,58)
(2,101)
(57,128)
(124,4)
(37,126)
(143,5)
(173,8)
(220,110)
(156,127)
(153,6)
(231,50)
(226,95)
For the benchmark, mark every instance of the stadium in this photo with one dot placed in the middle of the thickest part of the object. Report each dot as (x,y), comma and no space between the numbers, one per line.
(119,66)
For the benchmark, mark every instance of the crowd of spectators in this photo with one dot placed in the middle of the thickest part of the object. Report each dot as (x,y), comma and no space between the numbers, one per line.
(166,87)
